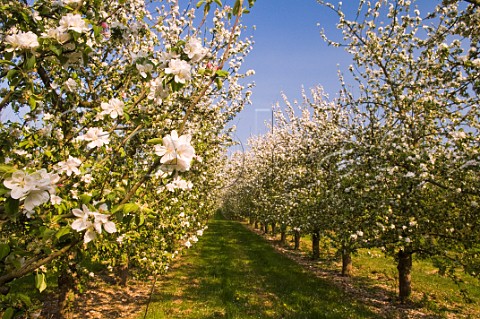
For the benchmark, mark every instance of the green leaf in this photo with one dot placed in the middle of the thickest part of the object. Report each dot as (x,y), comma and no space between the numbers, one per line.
(55,49)
(25,299)
(11,206)
(8,314)
(236,7)
(97,30)
(155,141)
(11,73)
(140,219)
(221,73)
(7,168)
(40,282)
(7,62)
(3,190)
(63,231)
(4,251)
(219,2)
(85,198)
(219,82)
(199,3)
(32,102)
(130,208)
(30,61)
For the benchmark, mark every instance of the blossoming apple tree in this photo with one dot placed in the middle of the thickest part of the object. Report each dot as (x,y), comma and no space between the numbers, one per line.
(404,177)
(117,114)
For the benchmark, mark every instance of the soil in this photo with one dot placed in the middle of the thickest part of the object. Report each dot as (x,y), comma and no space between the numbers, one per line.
(103,300)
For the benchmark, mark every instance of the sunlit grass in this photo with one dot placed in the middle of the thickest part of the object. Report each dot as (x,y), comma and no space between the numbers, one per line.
(234,273)
(435,293)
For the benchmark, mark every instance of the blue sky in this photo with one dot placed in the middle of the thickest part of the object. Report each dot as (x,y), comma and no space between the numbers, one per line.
(288,54)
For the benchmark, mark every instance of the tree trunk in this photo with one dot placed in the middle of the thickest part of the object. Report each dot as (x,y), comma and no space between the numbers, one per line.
(256,224)
(283,237)
(251,221)
(346,262)
(123,271)
(315,244)
(297,240)
(404,275)
(274,229)
(66,293)
(265,228)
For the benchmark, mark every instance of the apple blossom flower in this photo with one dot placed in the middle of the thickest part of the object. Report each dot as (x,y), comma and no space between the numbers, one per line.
(120,239)
(20,184)
(158,91)
(73,22)
(47,116)
(102,220)
(143,69)
(180,69)
(195,50)
(87,178)
(178,183)
(59,34)
(114,108)
(55,200)
(21,41)
(70,166)
(72,2)
(71,85)
(177,152)
(84,222)
(410,174)
(35,189)
(96,136)
(458,135)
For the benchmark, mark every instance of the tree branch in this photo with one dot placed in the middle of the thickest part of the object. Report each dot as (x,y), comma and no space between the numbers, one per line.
(475,2)
(33,264)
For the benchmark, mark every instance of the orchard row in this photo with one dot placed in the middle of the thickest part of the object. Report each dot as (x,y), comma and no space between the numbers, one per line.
(114,126)
(393,161)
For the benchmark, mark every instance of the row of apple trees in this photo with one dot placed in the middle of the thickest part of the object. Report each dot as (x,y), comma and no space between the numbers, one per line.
(113,123)
(394,161)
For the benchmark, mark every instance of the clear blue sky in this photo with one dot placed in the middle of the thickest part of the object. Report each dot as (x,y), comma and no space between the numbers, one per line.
(288,54)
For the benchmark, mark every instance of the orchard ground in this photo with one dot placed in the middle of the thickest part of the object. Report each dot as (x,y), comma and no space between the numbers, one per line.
(234,273)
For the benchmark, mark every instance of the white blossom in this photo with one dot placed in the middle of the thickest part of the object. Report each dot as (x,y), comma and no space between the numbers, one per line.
(73,22)
(180,69)
(114,108)
(176,152)
(21,41)
(96,136)
(70,166)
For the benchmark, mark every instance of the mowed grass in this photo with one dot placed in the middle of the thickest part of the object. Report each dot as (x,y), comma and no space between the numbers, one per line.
(432,293)
(234,273)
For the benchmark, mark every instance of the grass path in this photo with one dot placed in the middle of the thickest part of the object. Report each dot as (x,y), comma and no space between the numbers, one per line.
(234,273)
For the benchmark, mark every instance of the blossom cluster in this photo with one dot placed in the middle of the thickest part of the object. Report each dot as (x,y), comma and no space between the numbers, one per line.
(177,152)
(91,222)
(34,189)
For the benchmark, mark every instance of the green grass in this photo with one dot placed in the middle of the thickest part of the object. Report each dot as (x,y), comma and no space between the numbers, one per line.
(234,273)
(432,293)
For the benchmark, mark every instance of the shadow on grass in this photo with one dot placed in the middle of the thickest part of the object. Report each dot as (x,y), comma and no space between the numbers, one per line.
(233,273)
